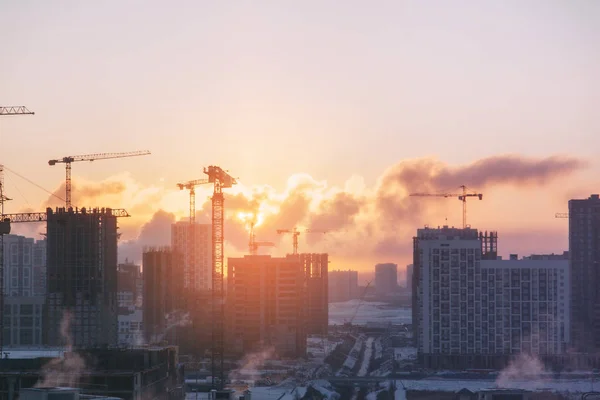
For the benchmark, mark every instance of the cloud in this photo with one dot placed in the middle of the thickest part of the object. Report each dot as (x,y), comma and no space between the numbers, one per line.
(156,232)
(365,224)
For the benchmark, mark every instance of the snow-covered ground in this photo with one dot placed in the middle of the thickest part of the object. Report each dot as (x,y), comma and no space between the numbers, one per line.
(368,312)
(574,386)
(366,361)
(405,353)
(352,357)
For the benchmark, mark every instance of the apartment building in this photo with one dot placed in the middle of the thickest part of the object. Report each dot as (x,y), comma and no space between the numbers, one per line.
(266,305)
(194,243)
(129,299)
(24,299)
(162,293)
(471,306)
(82,276)
(584,252)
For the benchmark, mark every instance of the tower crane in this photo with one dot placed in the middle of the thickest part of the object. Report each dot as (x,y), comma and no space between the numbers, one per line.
(15,110)
(5,222)
(221,180)
(191,247)
(295,233)
(89,157)
(461,196)
(191,186)
(253,245)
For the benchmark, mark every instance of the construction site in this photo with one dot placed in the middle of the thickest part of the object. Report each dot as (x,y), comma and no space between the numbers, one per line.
(193,323)
(240,324)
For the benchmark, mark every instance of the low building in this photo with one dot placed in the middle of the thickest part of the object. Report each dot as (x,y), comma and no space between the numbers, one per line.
(133,374)
(24,315)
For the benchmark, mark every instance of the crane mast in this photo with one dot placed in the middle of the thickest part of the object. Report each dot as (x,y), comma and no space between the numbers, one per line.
(191,186)
(191,236)
(68,160)
(5,225)
(253,244)
(221,180)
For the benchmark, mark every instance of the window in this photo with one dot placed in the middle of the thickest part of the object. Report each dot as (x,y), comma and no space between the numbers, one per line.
(14,253)
(27,254)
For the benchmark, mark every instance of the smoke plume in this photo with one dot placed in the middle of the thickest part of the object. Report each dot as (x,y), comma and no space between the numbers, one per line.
(251,365)
(67,371)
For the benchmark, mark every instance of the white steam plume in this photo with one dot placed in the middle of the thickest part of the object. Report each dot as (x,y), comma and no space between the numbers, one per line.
(173,319)
(251,364)
(67,371)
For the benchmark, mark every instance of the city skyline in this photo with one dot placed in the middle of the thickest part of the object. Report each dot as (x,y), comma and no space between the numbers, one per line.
(376,106)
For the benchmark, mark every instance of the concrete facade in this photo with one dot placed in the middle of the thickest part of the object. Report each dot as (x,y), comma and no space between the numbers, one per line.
(409,277)
(584,251)
(198,252)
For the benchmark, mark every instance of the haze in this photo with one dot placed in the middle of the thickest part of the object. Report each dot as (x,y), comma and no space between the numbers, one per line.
(366,104)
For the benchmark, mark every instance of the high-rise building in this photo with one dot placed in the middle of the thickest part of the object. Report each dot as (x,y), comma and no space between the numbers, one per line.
(195,245)
(18,266)
(82,276)
(386,279)
(343,285)
(129,297)
(409,277)
(315,268)
(584,251)
(469,305)
(23,305)
(163,291)
(266,305)
(39,268)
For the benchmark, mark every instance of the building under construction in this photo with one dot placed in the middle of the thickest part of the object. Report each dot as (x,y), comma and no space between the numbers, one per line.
(81,277)
(317,292)
(266,305)
(163,290)
(193,242)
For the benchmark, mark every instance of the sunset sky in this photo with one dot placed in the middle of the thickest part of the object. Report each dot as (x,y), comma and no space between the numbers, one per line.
(329,113)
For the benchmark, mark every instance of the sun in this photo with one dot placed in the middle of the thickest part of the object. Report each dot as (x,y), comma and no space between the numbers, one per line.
(248,218)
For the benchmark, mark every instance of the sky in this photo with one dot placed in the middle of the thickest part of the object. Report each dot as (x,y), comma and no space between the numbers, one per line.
(328,113)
